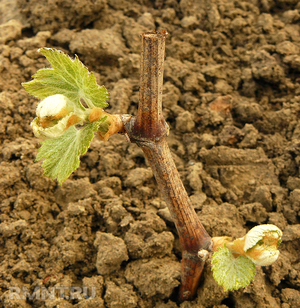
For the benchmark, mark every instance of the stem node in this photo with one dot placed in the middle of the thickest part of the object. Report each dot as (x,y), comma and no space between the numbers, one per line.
(203,254)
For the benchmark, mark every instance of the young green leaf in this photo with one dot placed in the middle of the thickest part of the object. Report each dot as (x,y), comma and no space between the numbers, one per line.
(61,155)
(69,78)
(230,272)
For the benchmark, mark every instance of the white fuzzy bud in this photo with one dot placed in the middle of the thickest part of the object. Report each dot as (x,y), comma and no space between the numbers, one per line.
(261,244)
(258,233)
(54,117)
(52,105)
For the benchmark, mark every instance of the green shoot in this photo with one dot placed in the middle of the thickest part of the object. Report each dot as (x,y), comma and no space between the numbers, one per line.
(62,119)
(234,261)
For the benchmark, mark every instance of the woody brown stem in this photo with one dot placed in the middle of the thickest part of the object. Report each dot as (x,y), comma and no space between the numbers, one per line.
(149,131)
(192,235)
(150,123)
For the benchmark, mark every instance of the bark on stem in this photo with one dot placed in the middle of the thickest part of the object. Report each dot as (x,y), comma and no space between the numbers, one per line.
(150,123)
(149,131)
(192,235)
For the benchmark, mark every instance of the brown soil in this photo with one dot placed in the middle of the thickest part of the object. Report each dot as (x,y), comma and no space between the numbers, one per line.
(231,97)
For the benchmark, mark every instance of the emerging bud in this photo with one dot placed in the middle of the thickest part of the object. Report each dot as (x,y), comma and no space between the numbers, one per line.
(56,106)
(261,244)
(54,116)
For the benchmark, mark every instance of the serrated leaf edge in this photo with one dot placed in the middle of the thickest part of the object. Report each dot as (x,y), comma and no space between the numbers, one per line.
(221,281)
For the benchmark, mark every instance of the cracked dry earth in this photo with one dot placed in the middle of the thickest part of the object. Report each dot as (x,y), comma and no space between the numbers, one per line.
(231,97)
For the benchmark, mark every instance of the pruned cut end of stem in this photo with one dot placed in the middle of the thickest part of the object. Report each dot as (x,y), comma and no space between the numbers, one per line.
(155,34)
